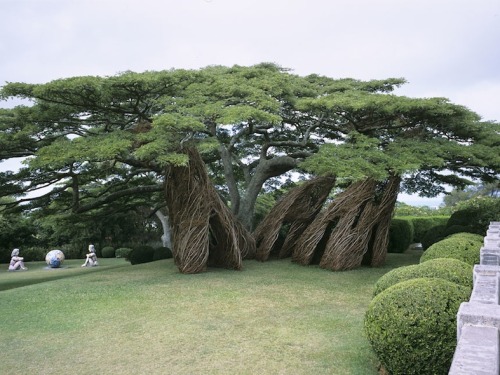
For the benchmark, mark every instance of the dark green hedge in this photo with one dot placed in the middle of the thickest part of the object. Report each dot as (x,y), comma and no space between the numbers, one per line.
(421,224)
(141,254)
(433,235)
(400,235)
(162,253)
(123,252)
(108,252)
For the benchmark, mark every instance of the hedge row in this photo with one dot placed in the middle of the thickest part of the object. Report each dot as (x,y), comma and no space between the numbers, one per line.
(405,230)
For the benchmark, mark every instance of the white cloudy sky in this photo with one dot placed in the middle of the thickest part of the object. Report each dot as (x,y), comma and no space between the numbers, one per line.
(446,48)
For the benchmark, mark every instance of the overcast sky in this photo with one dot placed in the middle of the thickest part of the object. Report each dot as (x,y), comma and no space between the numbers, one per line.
(445,48)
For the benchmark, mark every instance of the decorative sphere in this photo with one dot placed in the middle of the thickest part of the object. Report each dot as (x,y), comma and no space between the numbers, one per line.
(54,258)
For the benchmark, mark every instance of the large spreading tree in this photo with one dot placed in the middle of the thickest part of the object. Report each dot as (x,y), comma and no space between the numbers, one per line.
(205,143)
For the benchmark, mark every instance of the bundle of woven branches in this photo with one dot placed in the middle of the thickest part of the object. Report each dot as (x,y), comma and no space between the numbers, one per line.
(204,231)
(363,229)
(311,244)
(297,208)
(380,239)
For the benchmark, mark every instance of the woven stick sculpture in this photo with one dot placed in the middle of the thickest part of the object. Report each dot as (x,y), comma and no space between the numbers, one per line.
(352,238)
(204,231)
(354,227)
(312,239)
(298,208)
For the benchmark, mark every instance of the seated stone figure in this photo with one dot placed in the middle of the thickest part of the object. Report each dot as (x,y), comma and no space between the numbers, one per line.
(91,260)
(16,262)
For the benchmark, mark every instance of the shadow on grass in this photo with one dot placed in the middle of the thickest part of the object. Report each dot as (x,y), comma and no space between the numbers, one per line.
(38,272)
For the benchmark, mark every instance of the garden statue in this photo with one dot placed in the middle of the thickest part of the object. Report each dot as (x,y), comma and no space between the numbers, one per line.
(16,262)
(54,258)
(91,260)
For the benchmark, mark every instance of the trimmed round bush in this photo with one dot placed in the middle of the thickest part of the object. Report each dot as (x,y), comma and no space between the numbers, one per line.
(433,235)
(468,236)
(449,269)
(463,249)
(141,254)
(162,253)
(108,252)
(411,326)
(123,252)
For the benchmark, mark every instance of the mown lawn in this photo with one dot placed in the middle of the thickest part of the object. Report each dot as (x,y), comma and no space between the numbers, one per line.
(271,318)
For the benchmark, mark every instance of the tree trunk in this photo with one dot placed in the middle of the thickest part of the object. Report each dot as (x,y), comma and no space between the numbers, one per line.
(204,231)
(265,170)
(166,237)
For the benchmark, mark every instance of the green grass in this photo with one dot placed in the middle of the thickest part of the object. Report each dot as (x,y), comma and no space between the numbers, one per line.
(271,318)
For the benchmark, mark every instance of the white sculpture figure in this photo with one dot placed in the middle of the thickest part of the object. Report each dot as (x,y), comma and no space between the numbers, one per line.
(16,262)
(91,260)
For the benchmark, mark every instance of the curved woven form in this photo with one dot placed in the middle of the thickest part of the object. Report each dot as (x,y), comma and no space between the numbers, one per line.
(297,208)
(204,231)
(353,229)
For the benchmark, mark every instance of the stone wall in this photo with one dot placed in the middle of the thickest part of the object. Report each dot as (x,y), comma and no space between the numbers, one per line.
(478,321)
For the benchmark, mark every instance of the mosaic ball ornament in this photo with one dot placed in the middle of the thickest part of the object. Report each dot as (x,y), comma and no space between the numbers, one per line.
(54,258)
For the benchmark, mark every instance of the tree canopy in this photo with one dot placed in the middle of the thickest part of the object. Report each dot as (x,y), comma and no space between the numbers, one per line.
(99,141)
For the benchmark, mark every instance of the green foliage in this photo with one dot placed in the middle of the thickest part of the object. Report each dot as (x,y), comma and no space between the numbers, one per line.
(433,235)
(108,252)
(123,252)
(263,206)
(456,247)
(360,157)
(468,236)
(457,196)
(476,214)
(400,235)
(141,254)
(411,326)
(16,231)
(450,230)
(442,268)
(403,209)
(422,224)
(34,253)
(112,131)
(162,253)
(73,251)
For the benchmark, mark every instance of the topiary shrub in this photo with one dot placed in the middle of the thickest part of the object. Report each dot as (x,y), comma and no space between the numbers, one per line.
(162,253)
(108,252)
(411,326)
(433,235)
(448,269)
(123,252)
(460,248)
(141,254)
(468,236)
(400,235)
